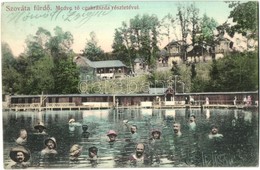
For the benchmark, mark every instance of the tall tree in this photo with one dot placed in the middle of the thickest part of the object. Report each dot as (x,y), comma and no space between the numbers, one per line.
(195,19)
(207,37)
(208,26)
(129,41)
(149,39)
(65,71)
(10,75)
(67,77)
(60,44)
(45,66)
(40,78)
(183,14)
(119,48)
(92,51)
(168,23)
(246,18)
(37,45)
(43,37)
(140,38)
(35,64)
(8,59)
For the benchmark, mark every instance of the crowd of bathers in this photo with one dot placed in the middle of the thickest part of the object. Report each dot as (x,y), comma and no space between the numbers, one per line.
(20,154)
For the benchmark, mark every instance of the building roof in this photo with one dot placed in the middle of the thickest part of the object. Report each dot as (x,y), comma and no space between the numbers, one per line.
(138,60)
(102,64)
(133,94)
(157,90)
(108,63)
(174,43)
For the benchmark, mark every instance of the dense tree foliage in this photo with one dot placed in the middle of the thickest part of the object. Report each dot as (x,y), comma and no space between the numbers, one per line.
(47,62)
(245,16)
(168,27)
(9,74)
(92,51)
(121,50)
(208,26)
(46,65)
(160,79)
(38,77)
(175,68)
(138,39)
(67,79)
(183,18)
(235,72)
(7,56)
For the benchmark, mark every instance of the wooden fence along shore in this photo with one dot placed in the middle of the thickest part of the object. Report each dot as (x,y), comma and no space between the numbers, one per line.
(66,106)
(235,100)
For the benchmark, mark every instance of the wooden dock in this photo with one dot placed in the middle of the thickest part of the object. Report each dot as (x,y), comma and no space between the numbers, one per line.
(73,106)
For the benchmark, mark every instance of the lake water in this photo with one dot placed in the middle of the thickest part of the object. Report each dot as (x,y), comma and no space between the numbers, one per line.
(239,146)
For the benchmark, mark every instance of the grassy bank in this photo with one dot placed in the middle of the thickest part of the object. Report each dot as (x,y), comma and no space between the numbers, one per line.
(128,85)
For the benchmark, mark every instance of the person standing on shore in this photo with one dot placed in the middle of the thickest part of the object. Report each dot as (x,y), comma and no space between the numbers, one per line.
(206,101)
(245,100)
(249,101)
(235,100)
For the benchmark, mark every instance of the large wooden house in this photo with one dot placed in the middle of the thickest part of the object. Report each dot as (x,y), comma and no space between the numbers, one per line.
(197,53)
(107,69)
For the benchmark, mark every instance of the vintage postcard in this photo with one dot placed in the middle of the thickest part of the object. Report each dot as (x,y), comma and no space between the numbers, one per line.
(129,84)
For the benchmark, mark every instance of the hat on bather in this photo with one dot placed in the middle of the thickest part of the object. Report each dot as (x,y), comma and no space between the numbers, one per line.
(52,139)
(111,132)
(71,120)
(156,130)
(13,153)
(40,124)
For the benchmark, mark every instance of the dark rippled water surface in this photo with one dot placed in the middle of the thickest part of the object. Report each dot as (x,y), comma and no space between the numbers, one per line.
(239,146)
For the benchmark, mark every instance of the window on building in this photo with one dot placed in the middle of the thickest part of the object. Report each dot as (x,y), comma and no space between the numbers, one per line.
(14,100)
(84,99)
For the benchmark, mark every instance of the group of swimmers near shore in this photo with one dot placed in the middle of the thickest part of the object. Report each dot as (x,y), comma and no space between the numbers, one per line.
(20,154)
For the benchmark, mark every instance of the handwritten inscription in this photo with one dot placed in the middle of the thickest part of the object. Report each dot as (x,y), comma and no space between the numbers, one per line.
(78,14)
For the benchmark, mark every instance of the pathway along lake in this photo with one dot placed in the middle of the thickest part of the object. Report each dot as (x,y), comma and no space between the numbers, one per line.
(238,147)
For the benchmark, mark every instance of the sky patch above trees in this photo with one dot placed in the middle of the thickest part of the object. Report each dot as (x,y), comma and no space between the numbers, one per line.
(17,25)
